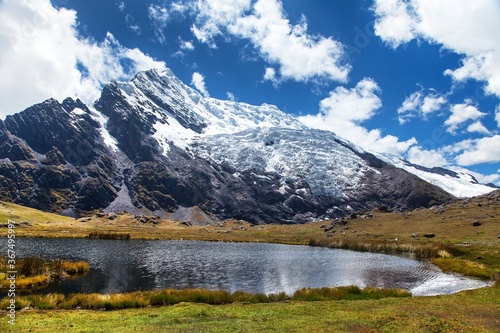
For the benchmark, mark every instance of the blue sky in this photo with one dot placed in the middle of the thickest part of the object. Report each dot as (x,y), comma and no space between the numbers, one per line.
(417,78)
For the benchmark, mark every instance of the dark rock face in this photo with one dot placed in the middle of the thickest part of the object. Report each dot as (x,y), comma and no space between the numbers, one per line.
(186,181)
(129,127)
(398,189)
(13,148)
(51,124)
(53,157)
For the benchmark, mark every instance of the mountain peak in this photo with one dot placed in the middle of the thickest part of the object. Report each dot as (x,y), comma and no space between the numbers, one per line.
(155,145)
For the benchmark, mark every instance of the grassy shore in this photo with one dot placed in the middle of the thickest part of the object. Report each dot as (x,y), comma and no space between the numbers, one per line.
(37,272)
(470,311)
(141,299)
(460,237)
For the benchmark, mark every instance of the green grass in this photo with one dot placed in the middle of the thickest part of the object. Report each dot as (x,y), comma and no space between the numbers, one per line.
(469,311)
(171,297)
(463,266)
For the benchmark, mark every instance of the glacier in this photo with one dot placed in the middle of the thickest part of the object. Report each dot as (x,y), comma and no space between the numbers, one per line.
(247,136)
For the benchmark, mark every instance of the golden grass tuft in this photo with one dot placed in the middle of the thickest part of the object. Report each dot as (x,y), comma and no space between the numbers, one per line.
(109,235)
(421,251)
(75,267)
(36,272)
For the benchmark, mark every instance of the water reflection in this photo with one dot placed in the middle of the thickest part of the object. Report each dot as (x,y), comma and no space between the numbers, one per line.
(120,266)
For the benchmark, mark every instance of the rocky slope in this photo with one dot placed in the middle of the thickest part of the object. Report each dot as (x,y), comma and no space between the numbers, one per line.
(154,145)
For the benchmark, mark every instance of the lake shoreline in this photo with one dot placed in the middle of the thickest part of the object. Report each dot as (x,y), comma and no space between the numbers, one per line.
(452,235)
(223,265)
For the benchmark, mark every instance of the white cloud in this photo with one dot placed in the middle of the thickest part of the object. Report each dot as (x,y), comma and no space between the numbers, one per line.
(394,24)
(184,47)
(460,114)
(214,16)
(198,81)
(484,150)
(417,104)
(187,45)
(182,7)
(427,158)
(469,28)
(296,54)
(159,17)
(41,54)
(270,75)
(230,96)
(432,103)
(357,104)
(345,109)
(477,127)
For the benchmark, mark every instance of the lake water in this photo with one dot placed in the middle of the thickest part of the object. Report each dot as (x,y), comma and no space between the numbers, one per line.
(122,266)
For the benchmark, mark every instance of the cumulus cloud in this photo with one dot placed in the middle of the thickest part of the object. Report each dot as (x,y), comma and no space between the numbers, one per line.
(428,158)
(43,56)
(198,81)
(477,127)
(344,110)
(469,28)
(419,104)
(213,17)
(294,53)
(394,23)
(461,114)
(270,74)
(484,150)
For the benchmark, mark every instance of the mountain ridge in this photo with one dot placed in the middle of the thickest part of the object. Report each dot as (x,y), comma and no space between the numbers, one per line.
(154,144)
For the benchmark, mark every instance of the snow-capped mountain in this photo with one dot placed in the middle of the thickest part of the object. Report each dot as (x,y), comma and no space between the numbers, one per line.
(217,121)
(460,184)
(155,145)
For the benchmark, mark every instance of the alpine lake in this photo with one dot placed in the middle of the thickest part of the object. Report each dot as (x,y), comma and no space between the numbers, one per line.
(118,266)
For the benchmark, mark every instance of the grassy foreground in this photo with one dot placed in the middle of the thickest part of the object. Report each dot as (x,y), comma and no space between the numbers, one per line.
(470,311)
